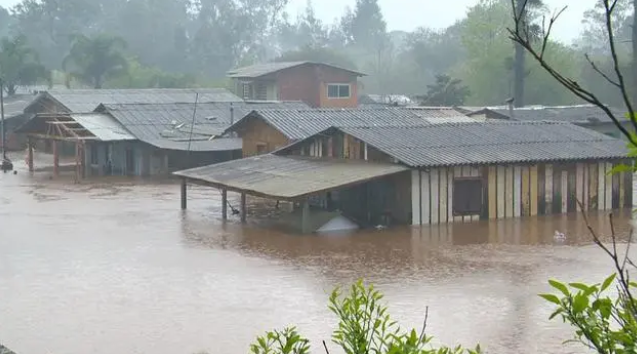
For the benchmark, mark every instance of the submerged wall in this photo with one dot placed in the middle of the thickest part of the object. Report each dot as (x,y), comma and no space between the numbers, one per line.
(520,190)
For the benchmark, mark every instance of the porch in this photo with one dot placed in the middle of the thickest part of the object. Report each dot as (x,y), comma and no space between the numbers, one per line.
(363,192)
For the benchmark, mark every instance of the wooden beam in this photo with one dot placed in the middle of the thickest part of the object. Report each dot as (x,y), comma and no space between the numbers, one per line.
(244,208)
(224,204)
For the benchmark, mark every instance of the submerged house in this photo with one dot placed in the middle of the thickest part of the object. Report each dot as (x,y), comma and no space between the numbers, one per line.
(143,139)
(319,85)
(14,117)
(264,131)
(588,116)
(432,174)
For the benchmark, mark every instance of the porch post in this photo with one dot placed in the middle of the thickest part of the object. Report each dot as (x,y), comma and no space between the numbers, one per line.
(56,158)
(30,154)
(184,192)
(305,218)
(224,204)
(244,209)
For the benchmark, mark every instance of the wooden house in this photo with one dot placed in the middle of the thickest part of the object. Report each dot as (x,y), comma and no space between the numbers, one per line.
(317,84)
(143,139)
(437,173)
(264,131)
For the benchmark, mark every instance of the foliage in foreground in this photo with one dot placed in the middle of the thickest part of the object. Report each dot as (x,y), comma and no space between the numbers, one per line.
(364,327)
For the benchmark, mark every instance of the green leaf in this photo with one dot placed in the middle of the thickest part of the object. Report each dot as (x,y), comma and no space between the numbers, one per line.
(620,168)
(555,313)
(579,286)
(551,298)
(608,281)
(559,286)
(580,303)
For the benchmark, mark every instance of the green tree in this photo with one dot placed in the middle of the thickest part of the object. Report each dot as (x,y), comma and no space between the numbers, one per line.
(446,92)
(19,64)
(93,60)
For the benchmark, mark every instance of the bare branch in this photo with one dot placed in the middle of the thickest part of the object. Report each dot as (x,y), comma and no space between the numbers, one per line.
(424,325)
(522,39)
(325,346)
(599,71)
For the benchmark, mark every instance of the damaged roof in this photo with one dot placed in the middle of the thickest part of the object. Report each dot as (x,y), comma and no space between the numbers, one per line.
(288,177)
(87,100)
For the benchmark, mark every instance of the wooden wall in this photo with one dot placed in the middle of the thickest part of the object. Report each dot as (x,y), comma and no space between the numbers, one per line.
(258,132)
(521,190)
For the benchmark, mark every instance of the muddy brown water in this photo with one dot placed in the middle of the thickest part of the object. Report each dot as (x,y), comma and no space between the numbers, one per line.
(113,266)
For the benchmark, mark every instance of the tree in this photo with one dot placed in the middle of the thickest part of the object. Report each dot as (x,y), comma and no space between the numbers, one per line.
(93,60)
(364,327)
(19,64)
(367,27)
(519,66)
(446,92)
(323,55)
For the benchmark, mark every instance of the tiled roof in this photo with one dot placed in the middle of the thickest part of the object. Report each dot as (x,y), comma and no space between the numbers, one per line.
(257,70)
(299,124)
(286,176)
(85,100)
(580,114)
(489,143)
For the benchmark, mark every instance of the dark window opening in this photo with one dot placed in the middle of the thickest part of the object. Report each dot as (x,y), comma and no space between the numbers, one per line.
(338,91)
(467,196)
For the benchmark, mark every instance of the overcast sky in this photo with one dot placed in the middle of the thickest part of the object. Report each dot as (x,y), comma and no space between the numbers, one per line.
(409,14)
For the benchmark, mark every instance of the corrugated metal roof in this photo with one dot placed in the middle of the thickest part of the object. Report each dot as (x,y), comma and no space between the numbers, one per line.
(299,124)
(257,70)
(489,143)
(14,105)
(164,124)
(83,101)
(288,177)
(578,114)
(436,115)
(216,144)
(103,126)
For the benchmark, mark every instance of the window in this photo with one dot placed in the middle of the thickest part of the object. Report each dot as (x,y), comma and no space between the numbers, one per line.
(261,149)
(467,196)
(337,90)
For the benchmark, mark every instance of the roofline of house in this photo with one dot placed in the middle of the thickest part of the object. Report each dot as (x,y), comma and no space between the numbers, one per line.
(233,73)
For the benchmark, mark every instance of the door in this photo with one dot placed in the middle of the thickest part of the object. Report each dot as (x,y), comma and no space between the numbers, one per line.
(130,161)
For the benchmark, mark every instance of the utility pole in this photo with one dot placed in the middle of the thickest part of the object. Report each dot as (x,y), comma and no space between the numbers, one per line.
(2,132)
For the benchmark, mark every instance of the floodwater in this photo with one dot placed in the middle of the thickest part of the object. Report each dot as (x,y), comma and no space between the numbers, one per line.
(113,266)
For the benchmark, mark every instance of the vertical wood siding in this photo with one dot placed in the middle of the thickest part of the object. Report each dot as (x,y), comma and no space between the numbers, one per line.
(520,190)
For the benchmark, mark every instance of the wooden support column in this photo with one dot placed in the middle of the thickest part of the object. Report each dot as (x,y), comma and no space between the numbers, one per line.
(305,218)
(184,194)
(56,158)
(244,209)
(30,154)
(224,204)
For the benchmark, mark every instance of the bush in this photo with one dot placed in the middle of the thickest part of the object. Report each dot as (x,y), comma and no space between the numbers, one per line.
(365,327)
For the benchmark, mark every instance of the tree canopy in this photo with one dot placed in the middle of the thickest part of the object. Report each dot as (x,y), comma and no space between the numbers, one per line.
(183,42)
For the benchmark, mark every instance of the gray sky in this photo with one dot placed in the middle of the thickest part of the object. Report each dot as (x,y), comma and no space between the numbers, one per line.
(400,14)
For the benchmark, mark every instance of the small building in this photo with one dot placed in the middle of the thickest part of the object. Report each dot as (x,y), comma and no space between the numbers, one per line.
(87,100)
(148,138)
(14,117)
(434,174)
(317,84)
(264,131)
(588,116)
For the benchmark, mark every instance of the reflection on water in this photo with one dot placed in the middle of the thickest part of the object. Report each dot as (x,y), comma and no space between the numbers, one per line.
(115,266)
